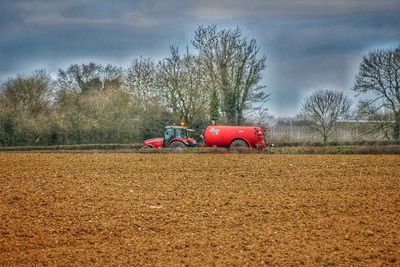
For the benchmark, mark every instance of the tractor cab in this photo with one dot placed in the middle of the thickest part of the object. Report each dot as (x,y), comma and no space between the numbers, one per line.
(178,136)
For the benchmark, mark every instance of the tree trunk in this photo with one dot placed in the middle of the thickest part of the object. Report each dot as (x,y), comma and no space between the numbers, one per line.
(325,139)
(239,118)
(396,127)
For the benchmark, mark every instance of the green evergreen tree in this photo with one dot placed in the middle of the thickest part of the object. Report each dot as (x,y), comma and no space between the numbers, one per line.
(214,106)
(8,136)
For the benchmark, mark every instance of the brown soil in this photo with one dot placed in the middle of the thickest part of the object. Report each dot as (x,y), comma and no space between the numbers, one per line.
(199,210)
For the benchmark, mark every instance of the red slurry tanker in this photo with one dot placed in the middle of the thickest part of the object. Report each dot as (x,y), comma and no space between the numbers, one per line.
(219,136)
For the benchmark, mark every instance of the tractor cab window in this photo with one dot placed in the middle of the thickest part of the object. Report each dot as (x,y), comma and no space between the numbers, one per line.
(169,133)
(180,133)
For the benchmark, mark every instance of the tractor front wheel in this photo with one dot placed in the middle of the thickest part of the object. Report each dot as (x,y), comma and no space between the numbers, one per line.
(146,148)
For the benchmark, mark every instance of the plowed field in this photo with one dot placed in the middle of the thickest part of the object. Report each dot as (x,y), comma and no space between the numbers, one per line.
(199,210)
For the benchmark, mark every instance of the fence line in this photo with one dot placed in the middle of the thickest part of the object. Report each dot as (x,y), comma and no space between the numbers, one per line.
(298,134)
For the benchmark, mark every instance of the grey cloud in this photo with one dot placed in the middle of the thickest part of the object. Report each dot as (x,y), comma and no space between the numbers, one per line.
(128,13)
(309,44)
(287,8)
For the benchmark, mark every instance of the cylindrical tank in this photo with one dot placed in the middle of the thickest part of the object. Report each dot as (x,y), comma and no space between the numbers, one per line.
(223,136)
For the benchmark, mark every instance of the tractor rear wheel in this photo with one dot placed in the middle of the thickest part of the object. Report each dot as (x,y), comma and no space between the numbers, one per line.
(178,145)
(239,143)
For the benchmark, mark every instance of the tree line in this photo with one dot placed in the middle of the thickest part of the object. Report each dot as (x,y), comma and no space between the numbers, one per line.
(221,82)
(93,103)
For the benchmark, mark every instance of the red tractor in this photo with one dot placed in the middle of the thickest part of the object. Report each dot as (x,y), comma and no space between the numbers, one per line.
(218,136)
(174,137)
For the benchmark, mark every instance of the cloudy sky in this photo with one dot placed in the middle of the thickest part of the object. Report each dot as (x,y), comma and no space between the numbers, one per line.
(309,44)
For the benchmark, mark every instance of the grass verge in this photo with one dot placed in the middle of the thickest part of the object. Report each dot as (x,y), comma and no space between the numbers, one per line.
(278,149)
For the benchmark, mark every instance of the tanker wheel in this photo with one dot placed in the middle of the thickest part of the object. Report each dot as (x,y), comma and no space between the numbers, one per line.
(236,146)
(238,143)
(177,145)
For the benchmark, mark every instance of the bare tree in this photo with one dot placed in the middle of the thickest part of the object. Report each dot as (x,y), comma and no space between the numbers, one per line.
(258,115)
(25,107)
(377,122)
(30,94)
(379,74)
(141,84)
(96,117)
(85,78)
(323,110)
(182,86)
(233,67)
(145,94)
